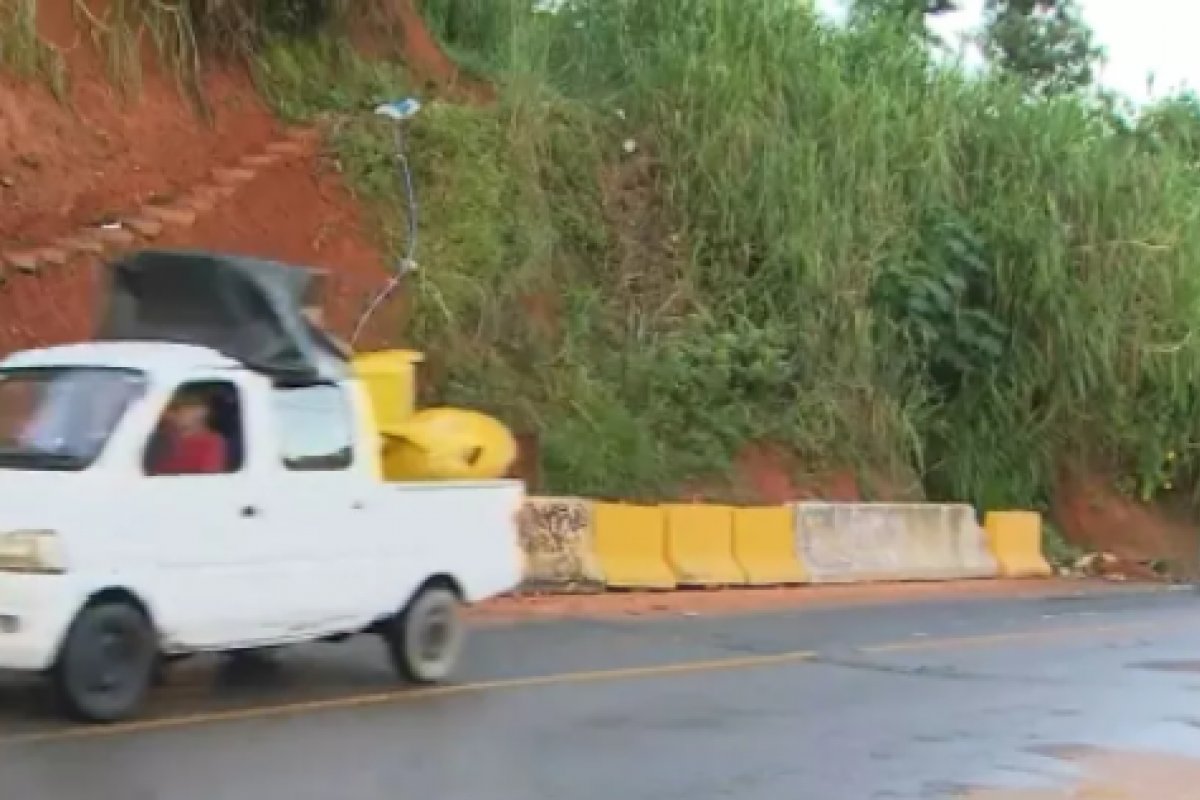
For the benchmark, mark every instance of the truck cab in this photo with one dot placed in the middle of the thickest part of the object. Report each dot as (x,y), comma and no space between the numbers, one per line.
(108,564)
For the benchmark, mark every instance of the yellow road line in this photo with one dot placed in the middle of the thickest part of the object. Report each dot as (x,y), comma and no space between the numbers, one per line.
(983,640)
(561,679)
(406,695)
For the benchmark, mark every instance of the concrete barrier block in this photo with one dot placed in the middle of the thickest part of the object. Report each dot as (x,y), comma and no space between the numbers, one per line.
(847,544)
(556,535)
(973,553)
(862,542)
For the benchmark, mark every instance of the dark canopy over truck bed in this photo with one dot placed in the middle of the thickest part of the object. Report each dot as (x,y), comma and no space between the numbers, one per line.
(248,309)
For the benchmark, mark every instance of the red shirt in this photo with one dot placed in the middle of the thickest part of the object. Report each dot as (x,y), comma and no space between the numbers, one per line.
(198,453)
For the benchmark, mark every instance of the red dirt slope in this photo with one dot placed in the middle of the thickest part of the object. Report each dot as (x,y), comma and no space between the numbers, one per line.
(1095,516)
(298,210)
(71,164)
(149,160)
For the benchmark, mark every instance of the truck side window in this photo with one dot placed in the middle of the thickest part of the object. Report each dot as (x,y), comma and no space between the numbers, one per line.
(200,433)
(315,430)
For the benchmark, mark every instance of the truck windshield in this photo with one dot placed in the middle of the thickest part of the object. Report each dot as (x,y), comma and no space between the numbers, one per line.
(60,418)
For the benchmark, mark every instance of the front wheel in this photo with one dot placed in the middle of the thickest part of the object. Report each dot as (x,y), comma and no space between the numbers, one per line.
(425,640)
(107,664)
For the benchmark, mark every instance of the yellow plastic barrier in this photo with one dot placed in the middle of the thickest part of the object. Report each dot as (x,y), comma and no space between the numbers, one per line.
(557,538)
(700,545)
(1015,538)
(631,546)
(764,544)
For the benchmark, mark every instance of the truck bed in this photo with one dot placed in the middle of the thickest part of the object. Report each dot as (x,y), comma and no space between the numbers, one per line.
(479,523)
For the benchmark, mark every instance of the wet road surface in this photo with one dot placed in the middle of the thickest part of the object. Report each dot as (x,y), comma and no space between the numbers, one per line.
(1082,696)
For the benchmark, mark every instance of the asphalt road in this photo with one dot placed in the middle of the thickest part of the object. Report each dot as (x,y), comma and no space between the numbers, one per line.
(1028,698)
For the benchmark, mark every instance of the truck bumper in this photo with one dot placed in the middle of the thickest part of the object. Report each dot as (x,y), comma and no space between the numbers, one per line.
(35,612)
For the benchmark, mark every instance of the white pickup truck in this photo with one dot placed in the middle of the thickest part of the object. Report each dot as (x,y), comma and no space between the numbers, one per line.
(107,567)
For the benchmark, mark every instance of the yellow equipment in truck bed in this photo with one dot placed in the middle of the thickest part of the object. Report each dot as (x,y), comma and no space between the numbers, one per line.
(434,443)
(448,444)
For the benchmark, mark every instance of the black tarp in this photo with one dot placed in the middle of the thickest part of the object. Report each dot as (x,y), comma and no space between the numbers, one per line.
(248,309)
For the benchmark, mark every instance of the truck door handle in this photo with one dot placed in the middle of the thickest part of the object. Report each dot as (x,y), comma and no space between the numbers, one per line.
(358,505)
(249,511)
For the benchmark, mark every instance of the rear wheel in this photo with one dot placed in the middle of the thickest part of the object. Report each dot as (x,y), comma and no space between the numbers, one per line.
(107,663)
(426,639)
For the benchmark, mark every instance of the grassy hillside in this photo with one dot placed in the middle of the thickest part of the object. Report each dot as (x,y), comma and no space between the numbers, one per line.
(820,240)
(688,225)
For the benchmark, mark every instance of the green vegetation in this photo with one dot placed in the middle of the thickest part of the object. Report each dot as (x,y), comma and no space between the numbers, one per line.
(688,225)
(821,239)
(886,262)
(1059,552)
(1046,43)
(513,217)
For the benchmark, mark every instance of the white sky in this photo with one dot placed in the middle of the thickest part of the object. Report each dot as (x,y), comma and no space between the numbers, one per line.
(1148,37)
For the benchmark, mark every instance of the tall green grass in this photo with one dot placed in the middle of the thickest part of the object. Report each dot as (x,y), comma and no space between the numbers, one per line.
(820,239)
(894,263)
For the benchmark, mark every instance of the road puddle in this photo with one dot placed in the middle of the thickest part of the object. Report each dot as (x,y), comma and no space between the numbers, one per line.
(1111,775)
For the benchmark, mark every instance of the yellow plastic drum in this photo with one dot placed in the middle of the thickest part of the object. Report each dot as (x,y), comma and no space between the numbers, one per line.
(447,444)
(390,379)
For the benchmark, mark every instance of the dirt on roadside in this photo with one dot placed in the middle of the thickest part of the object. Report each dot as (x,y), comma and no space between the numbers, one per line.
(733,601)
(1141,537)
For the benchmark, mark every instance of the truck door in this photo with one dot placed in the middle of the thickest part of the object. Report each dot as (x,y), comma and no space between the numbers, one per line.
(216,558)
(329,520)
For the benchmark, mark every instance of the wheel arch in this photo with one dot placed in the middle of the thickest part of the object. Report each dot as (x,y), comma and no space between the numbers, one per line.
(118,595)
(105,596)
(443,580)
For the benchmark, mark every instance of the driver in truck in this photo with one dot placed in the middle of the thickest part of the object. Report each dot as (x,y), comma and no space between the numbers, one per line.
(186,444)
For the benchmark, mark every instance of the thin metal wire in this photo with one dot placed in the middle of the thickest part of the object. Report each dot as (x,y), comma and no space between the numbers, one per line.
(408,263)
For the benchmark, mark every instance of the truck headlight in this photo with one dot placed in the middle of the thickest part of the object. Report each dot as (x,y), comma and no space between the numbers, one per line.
(31,552)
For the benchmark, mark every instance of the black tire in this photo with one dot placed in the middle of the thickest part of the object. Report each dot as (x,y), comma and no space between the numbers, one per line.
(107,664)
(426,639)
